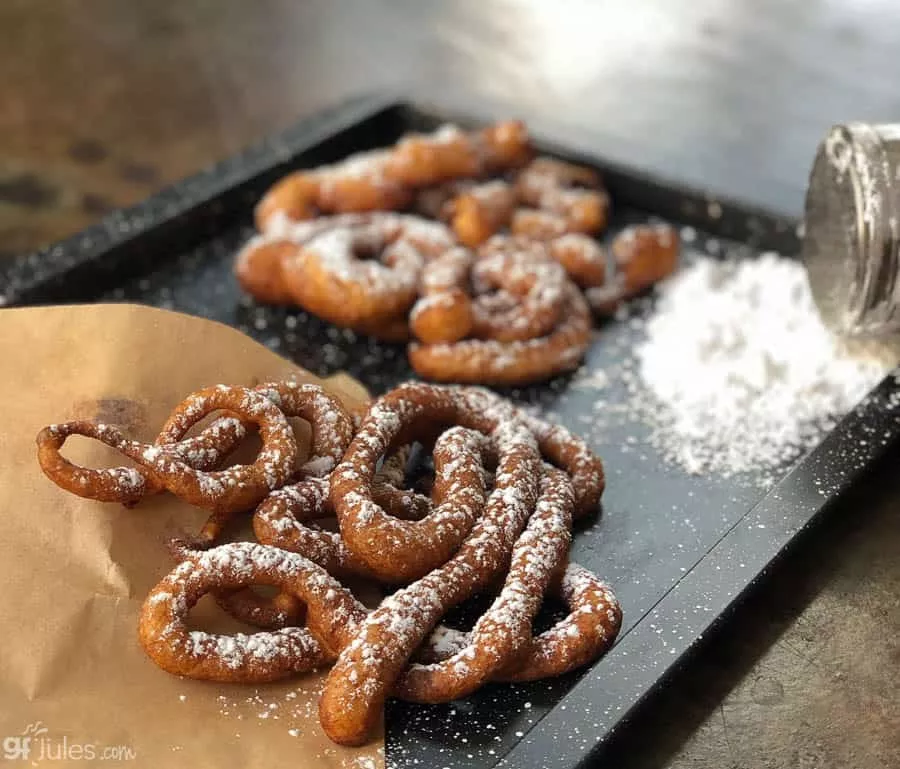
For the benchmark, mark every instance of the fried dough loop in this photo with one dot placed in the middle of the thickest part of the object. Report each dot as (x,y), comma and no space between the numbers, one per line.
(367,273)
(460,455)
(358,271)
(329,245)
(480,211)
(497,516)
(169,466)
(255,657)
(487,191)
(449,154)
(354,185)
(521,537)
(645,254)
(386,179)
(509,316)
(562,197)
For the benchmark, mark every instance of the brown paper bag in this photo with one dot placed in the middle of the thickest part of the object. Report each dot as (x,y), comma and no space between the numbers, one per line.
(75,686)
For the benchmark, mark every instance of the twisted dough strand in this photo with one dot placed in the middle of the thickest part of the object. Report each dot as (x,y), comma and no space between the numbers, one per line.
(416,547)
(503,632)
(224,491)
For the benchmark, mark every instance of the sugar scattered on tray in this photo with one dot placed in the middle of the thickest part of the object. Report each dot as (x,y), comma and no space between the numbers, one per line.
(740,371)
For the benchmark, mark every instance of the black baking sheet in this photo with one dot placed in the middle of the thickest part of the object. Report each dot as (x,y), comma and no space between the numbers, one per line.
(678,549)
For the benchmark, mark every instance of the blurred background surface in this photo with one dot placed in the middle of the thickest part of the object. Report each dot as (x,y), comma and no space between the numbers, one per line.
(103,102)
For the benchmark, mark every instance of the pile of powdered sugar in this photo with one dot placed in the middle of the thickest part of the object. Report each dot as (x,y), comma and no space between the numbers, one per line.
(741,373)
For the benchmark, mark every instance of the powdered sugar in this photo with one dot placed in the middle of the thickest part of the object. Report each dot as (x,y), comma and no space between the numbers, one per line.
(319,466)
(447,271)
(744,373)
(241,656)
(401,244)
(404,619)
(505,628)
(442,301)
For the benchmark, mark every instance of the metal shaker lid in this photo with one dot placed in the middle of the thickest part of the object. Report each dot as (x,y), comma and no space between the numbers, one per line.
(838,223)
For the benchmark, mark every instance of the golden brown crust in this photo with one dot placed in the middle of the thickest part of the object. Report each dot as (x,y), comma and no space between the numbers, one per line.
(446,316)
(478,361)
(569,196)
(435,202)
(459,457)
(503,633)
(582,257)
(258,657)
(386,180)
(258,270)
(592,624)
(645,254)
(335,281)
(128,485)
(367,668)
(293,197)
(504,146)
(509,316)
(422,160)
(449,154)
(331,430)
(481,211)
(534,224)
(356,271)
(565,450)
(225,491)
(356,184)
(519,297)
(593,621)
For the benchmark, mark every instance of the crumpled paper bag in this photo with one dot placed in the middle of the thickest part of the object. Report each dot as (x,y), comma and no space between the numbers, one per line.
(75,685)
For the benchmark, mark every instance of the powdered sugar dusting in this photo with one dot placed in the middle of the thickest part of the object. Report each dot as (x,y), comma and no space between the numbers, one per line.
(242,656)
(505,629)
(401,244)
(391,633)
(743,370)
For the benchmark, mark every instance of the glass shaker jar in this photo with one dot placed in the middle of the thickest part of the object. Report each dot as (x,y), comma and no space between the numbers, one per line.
(851,244)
